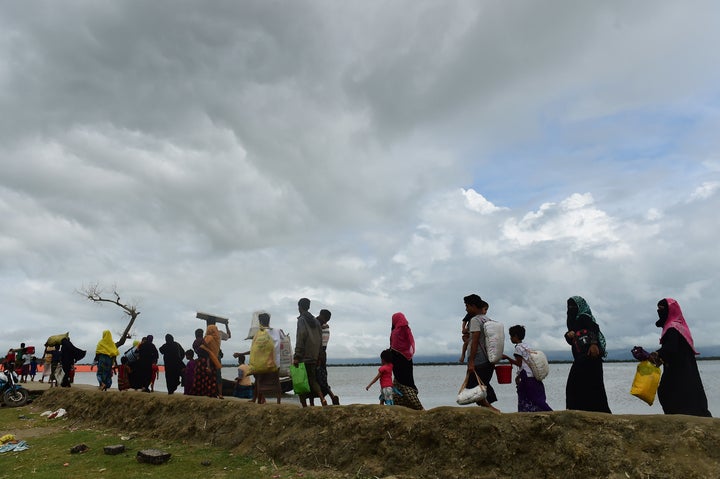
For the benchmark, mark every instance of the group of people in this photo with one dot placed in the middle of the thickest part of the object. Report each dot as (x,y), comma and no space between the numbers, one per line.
(58,362)
(680,391)
(198,369)
(23,361)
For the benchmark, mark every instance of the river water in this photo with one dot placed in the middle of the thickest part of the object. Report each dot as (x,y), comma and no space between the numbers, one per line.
(438,386)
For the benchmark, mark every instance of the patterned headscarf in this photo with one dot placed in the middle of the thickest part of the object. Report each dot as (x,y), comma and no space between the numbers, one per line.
(676,320)
(106,345)
(584,310)
(401,337)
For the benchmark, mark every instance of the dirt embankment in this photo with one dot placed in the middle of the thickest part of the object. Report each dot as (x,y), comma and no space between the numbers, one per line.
(443,443)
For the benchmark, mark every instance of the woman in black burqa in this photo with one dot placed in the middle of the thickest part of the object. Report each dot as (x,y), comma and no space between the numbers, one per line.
(681,390)
(143,372)
(173,355)
(69,354)
(585,389)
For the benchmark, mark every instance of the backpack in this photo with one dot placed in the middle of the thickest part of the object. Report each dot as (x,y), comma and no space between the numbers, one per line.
(494,340)
(286,354)
(262,353)
(538,364)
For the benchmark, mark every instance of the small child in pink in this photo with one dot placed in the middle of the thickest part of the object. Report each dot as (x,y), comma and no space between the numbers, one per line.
(385,376)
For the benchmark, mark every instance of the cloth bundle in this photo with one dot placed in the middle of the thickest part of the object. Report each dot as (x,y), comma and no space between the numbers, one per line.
(473,395)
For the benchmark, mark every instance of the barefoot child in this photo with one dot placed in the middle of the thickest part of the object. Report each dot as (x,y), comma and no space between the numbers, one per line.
(385,376)
(531,392)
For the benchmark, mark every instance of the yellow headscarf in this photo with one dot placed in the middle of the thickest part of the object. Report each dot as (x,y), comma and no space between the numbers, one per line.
(106,345)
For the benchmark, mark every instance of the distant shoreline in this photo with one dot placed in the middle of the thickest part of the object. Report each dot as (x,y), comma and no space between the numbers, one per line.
(85,367)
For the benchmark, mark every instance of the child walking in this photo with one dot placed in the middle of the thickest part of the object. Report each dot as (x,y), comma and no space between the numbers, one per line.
(385,376)
(123,372)
(531,392)
(189,373)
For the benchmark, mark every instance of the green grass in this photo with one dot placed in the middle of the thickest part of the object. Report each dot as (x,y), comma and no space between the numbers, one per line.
(49,455)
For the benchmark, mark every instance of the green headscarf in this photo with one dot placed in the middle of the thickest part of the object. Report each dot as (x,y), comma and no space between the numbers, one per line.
(584,310)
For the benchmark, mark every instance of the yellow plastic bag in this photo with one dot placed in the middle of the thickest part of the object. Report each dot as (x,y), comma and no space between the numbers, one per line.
(262,353)
(646,382)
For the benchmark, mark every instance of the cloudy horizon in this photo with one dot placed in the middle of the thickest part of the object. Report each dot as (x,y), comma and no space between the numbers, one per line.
(374,157)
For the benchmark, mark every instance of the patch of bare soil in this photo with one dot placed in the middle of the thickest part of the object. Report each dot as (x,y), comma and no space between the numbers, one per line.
(446,442)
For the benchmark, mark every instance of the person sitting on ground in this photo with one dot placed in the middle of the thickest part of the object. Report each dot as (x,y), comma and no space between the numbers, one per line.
(243,381)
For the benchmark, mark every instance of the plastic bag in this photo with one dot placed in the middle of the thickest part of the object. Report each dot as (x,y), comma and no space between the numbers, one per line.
(286,354)
(473,395)
(300,383)
(646,382)
(262,353)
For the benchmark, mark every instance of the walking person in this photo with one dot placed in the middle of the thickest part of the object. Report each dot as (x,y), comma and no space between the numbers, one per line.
(208,369)
(189,372)
(105,357)
(47,363)
(585,389)
(173,354)
(321,372)
(402,348)
(267,381)
(478,361)
(681,390)
(143,368)
(308,340)
(530,391)
(69,354)
(386,378)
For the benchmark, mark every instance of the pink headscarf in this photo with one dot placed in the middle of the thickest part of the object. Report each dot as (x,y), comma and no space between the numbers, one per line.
(676,320)
(401,337)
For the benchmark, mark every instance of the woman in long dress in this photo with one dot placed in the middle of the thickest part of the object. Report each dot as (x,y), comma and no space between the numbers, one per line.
(585,389)
(681,390)
(143,370)
(105,356)
(402,345)
(207,380)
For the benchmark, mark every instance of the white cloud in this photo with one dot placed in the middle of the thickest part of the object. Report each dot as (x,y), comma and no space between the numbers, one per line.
(705,191)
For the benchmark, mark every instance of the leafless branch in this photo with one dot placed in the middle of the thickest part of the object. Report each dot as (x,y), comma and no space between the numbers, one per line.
(94,293)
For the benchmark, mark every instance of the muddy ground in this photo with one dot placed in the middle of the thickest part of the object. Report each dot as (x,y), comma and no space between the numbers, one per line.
(446,442)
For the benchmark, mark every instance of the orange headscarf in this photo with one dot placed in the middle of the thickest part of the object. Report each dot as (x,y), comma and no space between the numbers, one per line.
(211,344)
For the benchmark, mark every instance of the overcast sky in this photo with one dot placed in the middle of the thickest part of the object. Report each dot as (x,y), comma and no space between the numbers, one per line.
(372,156)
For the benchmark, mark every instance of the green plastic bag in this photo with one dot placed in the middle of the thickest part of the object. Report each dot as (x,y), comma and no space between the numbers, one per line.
(298,374)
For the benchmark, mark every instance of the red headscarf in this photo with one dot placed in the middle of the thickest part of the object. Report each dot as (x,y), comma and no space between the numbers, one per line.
(676,320)
(401,337)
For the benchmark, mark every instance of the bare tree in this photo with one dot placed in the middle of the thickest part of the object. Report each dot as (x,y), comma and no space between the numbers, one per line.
(94,293)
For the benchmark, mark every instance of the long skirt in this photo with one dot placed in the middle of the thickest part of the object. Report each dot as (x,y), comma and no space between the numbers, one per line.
(407,396)
(205,381)
(531,394)
(104,371)
(585,389)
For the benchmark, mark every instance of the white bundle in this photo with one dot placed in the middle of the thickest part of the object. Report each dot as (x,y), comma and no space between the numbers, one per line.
(538,364)
(494,340)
